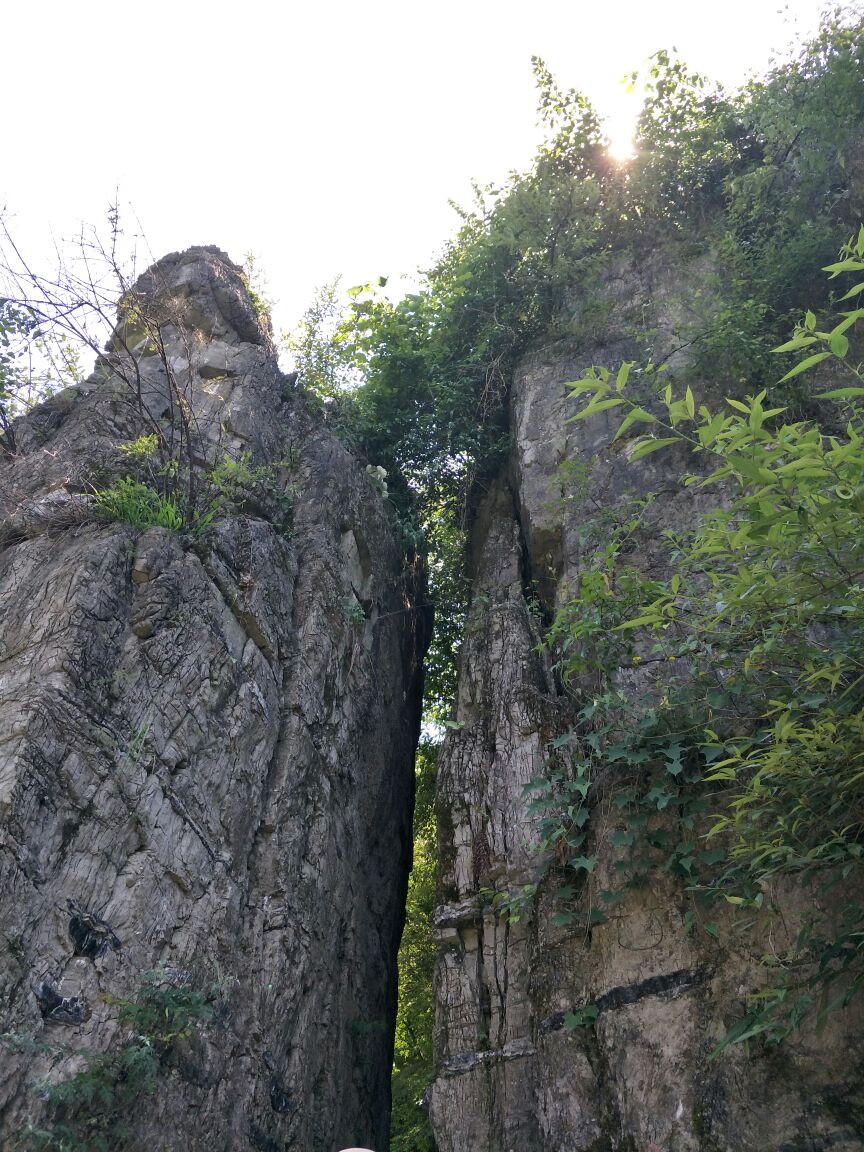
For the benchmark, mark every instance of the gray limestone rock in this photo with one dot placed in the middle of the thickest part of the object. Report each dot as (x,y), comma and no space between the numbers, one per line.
(205,761)
(510,1076)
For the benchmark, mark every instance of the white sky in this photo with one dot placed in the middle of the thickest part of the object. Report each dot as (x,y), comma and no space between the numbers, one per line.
(324,137)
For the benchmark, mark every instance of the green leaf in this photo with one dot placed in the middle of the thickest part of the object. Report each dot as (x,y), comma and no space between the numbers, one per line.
(850,319)
(637,415)
(622,799)
(640,622)
(578,387)
(810,361)
(596,406)
(623,374)
(583,1018)
(646,447)
(562,741)
(622,838)
(659,796)
(796,343)
(838,344)
(712,856)
(843,266)
(849,393)
(707,434)
(738,406)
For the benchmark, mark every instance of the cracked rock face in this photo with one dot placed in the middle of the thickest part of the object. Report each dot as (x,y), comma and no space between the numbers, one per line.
(510,1075)
(206,747)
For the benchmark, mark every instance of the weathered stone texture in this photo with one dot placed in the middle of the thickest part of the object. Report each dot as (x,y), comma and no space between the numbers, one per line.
(511,1077)
(207,742)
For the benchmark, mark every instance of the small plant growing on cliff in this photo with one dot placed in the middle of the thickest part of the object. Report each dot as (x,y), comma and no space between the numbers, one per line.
(93,1111)
(132,502)
(142,450)
(353,612)
(253,488)
(232,482)
(164,1012)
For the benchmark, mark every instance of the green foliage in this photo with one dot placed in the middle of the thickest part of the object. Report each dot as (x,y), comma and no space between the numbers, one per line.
(412,1064)
(444,542)
(378,478)
(142,450)
(582,1018)
(757,182)
(163,1013)
(32,365)
(419,387)
(762,619)
(513,903)
(353,612)
(91,1112)
(321,346)
(760,180)
(231,483)
(437,364)
(251,488)
(16,328)
(132,502)
(255,283)
(94,1110)
(688,141)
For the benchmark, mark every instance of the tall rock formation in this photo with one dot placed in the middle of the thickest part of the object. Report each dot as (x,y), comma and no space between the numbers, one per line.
(206,745)
(639,1076)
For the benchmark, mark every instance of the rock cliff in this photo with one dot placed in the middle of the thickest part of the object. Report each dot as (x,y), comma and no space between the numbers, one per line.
(510,1076)
(206,745)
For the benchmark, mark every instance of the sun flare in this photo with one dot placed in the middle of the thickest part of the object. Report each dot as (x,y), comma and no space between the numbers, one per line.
(620,133)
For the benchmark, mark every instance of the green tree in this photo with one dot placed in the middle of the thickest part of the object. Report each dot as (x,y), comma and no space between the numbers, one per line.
(32,365)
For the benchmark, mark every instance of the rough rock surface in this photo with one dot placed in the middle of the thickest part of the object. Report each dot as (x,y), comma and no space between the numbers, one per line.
(206,743)
(511,1077)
